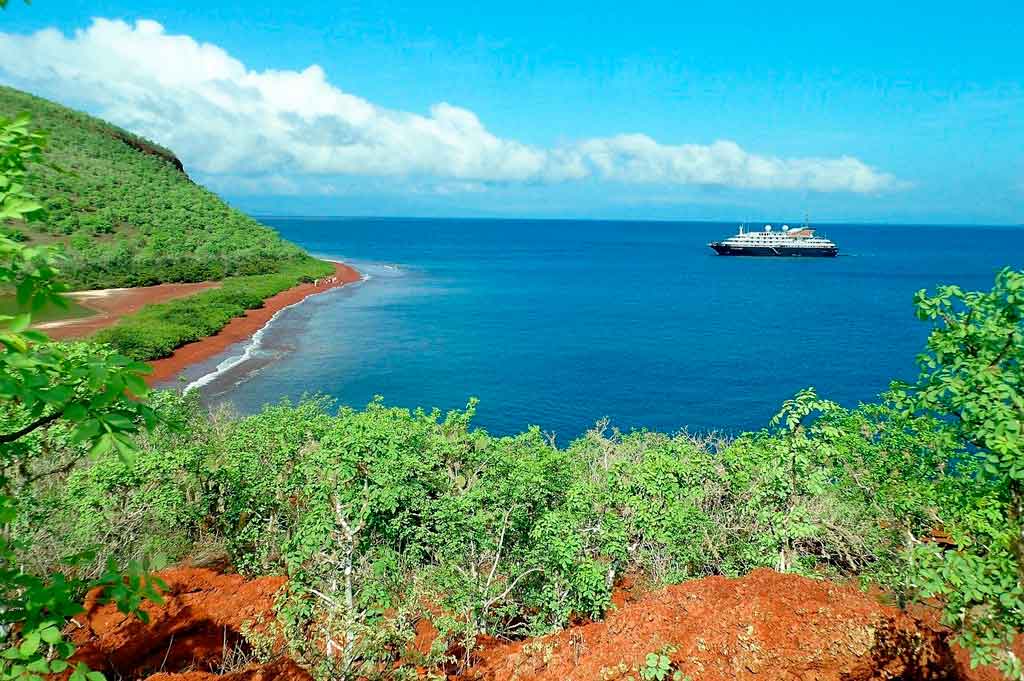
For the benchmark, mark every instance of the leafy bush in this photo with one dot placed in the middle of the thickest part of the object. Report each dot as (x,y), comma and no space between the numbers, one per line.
(149,508)
(374,514)
(972,376)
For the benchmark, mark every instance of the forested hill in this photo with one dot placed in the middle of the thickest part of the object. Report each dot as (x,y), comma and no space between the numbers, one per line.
(126,212)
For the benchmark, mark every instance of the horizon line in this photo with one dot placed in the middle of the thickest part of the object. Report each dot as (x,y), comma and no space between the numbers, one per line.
(293,216)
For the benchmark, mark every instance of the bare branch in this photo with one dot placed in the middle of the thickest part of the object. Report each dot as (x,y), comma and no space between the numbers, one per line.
(38,423)
(330,601)
(507,591)
(497,555)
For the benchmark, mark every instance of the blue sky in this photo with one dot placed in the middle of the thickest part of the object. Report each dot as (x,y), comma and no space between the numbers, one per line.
(872,111)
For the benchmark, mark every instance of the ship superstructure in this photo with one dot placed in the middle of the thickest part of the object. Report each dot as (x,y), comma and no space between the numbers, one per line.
(798,241)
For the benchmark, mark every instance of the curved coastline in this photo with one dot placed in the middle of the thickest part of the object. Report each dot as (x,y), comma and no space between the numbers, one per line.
(242,328)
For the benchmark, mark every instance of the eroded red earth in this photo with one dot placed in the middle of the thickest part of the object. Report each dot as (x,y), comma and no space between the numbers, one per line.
(765,625)
(187,637)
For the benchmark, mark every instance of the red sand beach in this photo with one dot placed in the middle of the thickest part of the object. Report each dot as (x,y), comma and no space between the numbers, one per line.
(113,303)
(240,328)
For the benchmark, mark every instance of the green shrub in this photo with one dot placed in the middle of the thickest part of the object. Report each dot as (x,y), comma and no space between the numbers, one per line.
(153,507)
(374,513)
(972,377)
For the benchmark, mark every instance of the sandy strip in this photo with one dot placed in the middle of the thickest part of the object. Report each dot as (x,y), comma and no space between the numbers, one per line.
(241,328)
(113,303)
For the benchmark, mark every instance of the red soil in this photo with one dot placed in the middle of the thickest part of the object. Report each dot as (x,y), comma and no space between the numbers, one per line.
(765,625)
(112,304)
(241,328)
(280,670)
(202,616)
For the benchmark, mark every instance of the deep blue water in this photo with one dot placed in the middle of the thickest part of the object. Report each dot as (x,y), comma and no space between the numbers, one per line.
(561,323)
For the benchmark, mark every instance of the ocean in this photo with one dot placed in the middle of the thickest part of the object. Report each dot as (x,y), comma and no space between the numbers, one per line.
(562,323)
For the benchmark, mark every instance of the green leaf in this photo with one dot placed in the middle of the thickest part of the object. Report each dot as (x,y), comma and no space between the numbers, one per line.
(38,666)
(50,635)
(118,421)
(103,444)
(29,645)
(19,322)
(25,289)
(136,385)
(75,411)
(86,430)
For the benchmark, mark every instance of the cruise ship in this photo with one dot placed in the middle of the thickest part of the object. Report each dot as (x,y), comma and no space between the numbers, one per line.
(799,241)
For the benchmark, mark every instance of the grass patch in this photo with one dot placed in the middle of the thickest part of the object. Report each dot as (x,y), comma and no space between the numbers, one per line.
(156,331)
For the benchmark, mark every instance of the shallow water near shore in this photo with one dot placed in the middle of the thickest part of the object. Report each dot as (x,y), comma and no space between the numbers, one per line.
(561,323)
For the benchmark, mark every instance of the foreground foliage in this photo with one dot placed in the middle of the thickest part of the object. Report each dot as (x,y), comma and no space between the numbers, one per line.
(383,516)
(972,376)
(76,396)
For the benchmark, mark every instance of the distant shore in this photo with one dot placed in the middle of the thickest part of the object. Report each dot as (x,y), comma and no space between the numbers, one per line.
(242,328)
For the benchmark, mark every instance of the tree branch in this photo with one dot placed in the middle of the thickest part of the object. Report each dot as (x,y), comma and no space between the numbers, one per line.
(38,423)
(63,468)
(1006,348)
(501,543)
(330,601)
(507,591)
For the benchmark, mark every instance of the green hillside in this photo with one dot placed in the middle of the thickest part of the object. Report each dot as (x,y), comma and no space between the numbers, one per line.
(126,212)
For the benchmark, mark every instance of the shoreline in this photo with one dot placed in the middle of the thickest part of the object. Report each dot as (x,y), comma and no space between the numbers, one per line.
(242,328)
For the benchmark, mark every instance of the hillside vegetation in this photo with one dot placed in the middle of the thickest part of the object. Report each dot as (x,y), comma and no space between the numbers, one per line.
(127,214)
(124,213)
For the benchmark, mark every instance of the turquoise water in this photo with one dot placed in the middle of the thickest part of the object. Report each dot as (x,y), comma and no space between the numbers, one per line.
(561,323)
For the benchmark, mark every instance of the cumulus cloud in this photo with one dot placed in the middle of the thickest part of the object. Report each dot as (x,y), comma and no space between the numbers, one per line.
(228,121)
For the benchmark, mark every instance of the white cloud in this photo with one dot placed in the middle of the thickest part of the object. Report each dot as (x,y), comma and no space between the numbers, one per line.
(230,122)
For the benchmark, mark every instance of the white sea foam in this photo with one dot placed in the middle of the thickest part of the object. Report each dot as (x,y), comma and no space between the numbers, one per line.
(256,341)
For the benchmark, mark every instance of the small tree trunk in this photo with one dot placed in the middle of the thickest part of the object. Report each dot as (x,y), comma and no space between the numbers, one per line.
(350,636)
(1016,518)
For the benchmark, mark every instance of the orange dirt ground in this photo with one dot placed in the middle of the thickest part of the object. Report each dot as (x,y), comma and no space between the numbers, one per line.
(765,625)
(202,616)
(240,328)
(112,304)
